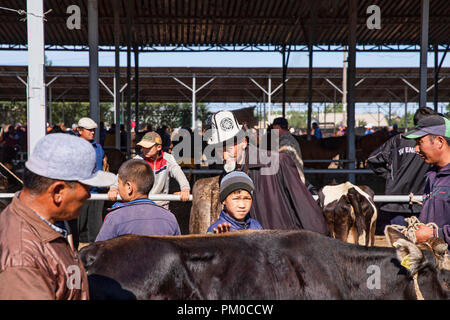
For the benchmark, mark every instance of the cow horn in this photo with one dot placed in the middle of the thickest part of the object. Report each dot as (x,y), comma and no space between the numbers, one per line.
(408,250)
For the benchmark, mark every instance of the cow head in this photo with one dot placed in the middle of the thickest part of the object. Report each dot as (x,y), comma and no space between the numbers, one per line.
(412,257)
(437,246)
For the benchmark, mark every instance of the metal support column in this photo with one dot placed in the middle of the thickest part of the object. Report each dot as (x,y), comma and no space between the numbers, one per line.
(117,74)
(310,103)
(436,75)
(284,70)
(128,121)
(351,79)
(194,91)
(423,52)
(93,64)
(194,103)
(36,86)
(136,83)
(406,109)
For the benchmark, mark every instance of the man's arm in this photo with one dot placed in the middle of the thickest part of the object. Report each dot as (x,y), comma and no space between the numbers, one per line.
(22,283)
(178,174)
(380,159)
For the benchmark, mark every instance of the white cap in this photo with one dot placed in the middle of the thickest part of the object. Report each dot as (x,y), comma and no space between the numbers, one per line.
(87,123)
(368,126)
(224,126)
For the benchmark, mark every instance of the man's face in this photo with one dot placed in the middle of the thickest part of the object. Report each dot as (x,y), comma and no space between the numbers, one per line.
(425,147)
(151,152)
(238,204)
(87,134)
(233,152)
(73,200)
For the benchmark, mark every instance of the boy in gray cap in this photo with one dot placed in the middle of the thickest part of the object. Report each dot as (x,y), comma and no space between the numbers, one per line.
(236,192)
(36,261)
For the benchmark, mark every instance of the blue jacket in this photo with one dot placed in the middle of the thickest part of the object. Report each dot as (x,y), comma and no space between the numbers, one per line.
(140,217)
(249,223)
(99,155)
(436,203)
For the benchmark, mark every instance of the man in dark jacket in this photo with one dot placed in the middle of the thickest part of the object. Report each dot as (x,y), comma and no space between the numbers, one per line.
(432,136)
(404,171)
(281,200)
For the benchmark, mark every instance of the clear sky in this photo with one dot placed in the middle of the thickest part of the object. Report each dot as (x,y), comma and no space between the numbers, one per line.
(227,59)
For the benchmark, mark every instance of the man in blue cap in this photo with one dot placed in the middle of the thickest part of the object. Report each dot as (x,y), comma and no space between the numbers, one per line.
(432,135)
(36,261)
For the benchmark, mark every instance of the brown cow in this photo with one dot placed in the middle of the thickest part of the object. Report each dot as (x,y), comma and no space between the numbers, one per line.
(350,212)
(322,149)
(365,145)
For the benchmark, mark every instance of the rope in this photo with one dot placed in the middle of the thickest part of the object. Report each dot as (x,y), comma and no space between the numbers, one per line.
(413,224)
(416,287)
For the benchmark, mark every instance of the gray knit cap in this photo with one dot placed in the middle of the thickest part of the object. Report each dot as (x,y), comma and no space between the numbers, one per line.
(235,180)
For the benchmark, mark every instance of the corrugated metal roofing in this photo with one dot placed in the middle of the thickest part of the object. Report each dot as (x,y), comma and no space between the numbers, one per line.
(230,84)
(235,22)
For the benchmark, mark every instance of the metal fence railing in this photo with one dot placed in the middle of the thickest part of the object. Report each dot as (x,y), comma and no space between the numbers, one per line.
(173,197)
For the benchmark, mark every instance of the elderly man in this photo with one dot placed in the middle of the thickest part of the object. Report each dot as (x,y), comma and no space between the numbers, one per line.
(36,261)
(432,137)
(91,216)
(281,200)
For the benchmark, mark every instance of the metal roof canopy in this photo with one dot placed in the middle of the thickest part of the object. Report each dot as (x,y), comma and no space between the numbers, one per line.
(286,23)
(205,25)
(230,84)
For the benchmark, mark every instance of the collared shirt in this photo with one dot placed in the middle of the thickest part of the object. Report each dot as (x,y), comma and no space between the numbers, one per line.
(62,231)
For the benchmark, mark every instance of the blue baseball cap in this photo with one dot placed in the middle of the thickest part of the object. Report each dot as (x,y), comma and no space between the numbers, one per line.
(435,125)
(62,156)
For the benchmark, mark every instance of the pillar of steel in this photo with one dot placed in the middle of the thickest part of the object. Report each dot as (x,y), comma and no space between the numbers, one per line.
(117,73)
(136,83)
(36,117)
(194,103)
(351,79)
(423,52)
(94,106)
(128,121)
(284,70)
(310,74)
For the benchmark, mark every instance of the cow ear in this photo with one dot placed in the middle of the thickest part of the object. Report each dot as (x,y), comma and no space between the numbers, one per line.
(409,255)
(392,235)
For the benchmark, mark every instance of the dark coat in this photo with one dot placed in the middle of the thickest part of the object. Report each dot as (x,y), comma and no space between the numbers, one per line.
(281,200)
(403,169)
(436,203)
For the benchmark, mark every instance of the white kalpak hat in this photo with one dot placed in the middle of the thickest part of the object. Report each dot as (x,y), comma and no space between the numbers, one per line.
(224,126)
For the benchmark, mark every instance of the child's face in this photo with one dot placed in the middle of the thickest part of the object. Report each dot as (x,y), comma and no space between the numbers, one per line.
(238,204)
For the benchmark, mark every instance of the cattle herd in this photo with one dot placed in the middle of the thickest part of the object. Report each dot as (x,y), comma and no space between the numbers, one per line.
(271,264)
(266,264)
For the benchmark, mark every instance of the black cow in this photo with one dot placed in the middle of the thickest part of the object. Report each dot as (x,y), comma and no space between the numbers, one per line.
(268,264)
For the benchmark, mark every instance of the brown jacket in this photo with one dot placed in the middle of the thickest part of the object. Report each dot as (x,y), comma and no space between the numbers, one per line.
(36,262)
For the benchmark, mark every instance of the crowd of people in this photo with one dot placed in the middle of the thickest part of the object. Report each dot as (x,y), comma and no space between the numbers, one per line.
(46,221)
